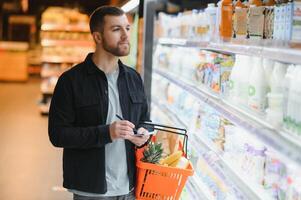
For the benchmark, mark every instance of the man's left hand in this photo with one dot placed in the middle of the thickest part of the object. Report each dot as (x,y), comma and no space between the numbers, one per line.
(140,138)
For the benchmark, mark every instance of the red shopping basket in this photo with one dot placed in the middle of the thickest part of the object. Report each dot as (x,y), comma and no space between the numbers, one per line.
(158,181)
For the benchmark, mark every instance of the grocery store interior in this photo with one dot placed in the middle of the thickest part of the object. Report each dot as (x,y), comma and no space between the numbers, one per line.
(228,72)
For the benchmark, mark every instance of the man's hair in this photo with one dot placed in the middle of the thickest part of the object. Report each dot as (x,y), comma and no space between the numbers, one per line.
(98,15)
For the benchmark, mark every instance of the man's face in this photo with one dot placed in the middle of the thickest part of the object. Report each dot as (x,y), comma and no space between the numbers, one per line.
(115,35)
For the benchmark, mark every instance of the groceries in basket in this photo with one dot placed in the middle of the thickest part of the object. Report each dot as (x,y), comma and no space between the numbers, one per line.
(153,154)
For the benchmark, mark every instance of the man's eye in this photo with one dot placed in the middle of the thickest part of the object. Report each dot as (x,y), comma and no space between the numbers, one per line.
(128,28)
(116,29)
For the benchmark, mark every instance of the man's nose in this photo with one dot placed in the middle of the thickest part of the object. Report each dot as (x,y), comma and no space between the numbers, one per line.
(125,34)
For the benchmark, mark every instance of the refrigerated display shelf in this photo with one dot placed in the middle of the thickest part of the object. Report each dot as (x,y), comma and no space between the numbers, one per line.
(233,173)
(51,42)
(181,42)
(229,173)
(198,186)
(241,189)
(225,170)
(189,190)
(171,114)
(271,137)
(282,53)
(253,191)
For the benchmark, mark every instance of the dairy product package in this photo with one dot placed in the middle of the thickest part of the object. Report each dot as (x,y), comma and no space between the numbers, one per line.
(296,33)
(256,21)
(258,86)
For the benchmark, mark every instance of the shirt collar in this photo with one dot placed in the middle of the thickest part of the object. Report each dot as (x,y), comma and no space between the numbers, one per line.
(92,68)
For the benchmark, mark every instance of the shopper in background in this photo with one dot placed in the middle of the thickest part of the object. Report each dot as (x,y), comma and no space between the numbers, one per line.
(99,149)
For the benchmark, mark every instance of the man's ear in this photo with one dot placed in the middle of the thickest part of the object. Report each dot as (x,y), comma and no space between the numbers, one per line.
(97,37)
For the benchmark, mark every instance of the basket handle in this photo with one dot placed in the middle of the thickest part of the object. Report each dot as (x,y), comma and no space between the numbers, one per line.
(179,131)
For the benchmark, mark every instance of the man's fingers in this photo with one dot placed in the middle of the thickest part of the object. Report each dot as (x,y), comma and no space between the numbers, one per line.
(137,140)
(127,123)
(125,128)
(142,131)
(125,133)
(146,137)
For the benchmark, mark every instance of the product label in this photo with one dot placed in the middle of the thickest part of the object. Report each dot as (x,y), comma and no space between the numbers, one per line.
(240,21)
(251,91)
(289,21)
(257,97)
(296,35)
(268,22)
(256,22)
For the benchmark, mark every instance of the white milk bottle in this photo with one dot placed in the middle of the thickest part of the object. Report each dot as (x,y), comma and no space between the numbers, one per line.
(258,86)
(268,66)
(234,79)
(297,110)
(292,105)
(218,19)
(286,86)
(243,79)
(277,77)
(211,12)
(275,97)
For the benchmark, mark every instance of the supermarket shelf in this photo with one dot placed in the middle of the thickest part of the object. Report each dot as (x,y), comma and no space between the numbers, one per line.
(229,173)
(224,168)
(65,27)
(13,46)
(60,59)
(34,70)
(201,190)
(271,137)
(191,193)
(252,191)
(282,53)
(183,42)
(50,42)
(44,109)
(47,92)
(170,113)
(49,74)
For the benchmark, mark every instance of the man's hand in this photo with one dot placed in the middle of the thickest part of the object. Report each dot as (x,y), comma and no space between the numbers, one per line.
(140,138)
(121,129)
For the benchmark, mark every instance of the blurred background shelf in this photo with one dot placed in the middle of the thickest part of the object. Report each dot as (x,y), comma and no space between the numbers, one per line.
(65,27)
(52,42)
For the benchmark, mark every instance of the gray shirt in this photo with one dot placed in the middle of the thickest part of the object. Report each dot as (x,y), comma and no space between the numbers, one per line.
(116,164)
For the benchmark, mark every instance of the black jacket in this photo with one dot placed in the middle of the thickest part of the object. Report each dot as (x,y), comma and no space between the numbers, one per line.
(77,122)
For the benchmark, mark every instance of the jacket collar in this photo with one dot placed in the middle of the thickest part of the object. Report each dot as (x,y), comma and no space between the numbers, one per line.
(92,68)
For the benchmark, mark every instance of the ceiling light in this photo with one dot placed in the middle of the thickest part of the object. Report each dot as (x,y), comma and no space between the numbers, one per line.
(130,5)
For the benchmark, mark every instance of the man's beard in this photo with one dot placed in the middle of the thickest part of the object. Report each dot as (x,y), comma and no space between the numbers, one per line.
(118,50)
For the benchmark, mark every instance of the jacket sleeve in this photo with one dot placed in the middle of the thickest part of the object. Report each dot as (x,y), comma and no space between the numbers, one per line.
(61,127)
(145,113)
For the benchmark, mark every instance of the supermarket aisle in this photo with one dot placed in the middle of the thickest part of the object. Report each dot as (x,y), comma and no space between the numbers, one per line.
(30,167)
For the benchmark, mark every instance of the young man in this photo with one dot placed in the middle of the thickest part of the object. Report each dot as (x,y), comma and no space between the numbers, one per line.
(99,148)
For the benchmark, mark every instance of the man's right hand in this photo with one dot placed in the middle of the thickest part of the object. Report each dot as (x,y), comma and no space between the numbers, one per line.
(121,129)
